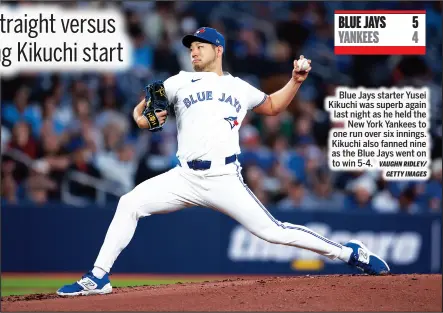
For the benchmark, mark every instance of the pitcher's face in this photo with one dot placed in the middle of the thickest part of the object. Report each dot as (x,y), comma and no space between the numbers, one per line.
(203,56)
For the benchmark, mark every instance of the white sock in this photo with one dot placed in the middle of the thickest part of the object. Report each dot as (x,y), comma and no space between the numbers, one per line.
(345,254)
(98,272)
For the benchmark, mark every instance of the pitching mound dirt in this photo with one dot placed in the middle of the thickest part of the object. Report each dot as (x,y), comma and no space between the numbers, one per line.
(305,293)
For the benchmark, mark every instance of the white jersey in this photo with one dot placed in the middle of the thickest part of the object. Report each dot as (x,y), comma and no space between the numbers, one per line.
(209,111)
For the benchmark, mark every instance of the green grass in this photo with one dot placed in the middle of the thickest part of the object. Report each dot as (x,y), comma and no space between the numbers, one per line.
(12,285)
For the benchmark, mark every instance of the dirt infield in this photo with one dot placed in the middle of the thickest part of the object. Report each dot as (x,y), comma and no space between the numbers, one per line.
(303,293)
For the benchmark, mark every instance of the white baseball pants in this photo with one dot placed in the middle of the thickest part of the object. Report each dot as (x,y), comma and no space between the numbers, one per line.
(221,188)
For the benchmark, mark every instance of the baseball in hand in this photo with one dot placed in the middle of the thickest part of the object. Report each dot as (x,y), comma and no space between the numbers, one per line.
(303,64)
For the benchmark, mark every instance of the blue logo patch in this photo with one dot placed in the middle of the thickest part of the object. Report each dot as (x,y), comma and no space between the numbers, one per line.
(232,120)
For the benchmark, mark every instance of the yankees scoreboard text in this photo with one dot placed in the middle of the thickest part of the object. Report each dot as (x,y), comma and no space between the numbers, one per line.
(380,32)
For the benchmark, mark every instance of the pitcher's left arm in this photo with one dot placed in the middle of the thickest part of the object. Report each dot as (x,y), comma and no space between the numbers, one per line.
(279,100)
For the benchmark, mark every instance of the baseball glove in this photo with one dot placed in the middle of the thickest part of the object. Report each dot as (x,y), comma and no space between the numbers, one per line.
(156,101)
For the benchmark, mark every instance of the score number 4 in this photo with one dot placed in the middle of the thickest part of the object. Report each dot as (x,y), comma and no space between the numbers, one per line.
(415,25)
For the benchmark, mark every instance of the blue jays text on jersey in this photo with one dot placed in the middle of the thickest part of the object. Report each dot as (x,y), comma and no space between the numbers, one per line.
(207,95)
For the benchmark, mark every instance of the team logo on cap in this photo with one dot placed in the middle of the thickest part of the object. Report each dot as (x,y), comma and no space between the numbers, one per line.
(200,30)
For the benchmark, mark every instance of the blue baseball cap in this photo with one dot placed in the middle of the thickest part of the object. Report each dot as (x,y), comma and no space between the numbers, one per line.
(205,34)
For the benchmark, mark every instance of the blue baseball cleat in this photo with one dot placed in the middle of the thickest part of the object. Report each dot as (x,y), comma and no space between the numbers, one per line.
(365,260)
(88,285)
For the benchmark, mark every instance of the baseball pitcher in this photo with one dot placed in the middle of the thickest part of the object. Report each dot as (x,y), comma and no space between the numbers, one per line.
(210,105)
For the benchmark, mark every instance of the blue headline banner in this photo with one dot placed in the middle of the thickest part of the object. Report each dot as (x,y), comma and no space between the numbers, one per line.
(203,241)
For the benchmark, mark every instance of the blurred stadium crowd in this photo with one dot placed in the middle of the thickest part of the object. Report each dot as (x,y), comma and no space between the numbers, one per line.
(71,138)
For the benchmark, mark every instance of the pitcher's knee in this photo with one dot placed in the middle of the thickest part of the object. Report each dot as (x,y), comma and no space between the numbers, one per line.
(273,234)
(127,203)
